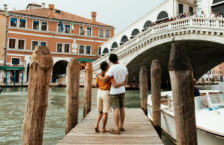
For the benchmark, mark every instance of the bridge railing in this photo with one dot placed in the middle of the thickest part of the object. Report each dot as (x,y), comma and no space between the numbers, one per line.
(180,23)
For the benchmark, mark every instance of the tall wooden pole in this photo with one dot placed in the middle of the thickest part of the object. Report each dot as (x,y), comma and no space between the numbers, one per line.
(72,98)
(180,71)
(40,68)
(156,94)
(87,88)
(143,84)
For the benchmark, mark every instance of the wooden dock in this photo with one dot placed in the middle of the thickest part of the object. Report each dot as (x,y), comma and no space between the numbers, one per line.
(138,130)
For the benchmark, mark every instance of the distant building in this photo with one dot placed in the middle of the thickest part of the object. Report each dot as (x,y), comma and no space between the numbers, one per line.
(50,27)
(218,72)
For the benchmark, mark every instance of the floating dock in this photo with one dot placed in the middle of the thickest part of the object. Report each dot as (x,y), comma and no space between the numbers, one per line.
(138,130)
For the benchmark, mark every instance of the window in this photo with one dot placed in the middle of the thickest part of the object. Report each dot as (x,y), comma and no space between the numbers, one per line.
(101,33)
(21,44)
(88,49)
(34,44)
(67,28)
(13,22)
(181,8)
(43,43)
(36,25)
(15,61)
(60,29)
(88,31)
(99,51)
(107,34)
(22,23)
(66,48)
(12,43)
(81,49)
(44,26)
(59,47)
(81,32)
(191,10)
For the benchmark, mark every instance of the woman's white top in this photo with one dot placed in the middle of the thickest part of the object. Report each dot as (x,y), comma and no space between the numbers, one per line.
(212,15)
(202,15)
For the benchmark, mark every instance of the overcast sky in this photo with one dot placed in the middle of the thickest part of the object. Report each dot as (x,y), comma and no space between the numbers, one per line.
(118,13)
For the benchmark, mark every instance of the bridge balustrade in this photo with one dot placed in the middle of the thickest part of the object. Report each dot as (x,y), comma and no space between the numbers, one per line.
(176,24)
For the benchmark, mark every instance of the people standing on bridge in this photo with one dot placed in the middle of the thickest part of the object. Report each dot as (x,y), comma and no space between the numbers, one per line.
(120,74)
(202,14)
(103,96)
(212,14)
(220,15)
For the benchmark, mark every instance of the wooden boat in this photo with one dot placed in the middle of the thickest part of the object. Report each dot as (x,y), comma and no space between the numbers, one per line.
(209,111)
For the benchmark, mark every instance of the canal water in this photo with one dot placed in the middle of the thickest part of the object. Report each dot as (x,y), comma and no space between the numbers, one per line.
(12,108)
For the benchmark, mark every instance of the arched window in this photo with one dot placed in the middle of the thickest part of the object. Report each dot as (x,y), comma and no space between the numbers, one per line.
(134,32)
(105,51)
(114,45)
(147,24)
(124,39)
(162,14)
(217,1)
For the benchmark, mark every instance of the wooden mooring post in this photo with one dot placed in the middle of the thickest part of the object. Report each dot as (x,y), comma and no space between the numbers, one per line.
(88,88)
(72,98)
(182,87)
(156,95)
(143,84)
(40,69)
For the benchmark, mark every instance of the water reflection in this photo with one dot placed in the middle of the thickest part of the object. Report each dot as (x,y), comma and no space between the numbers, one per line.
(12,108)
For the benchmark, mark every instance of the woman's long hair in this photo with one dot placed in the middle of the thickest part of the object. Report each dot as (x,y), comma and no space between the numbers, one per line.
(103,67)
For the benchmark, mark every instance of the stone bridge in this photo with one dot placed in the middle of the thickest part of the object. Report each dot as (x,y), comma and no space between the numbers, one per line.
(203,39)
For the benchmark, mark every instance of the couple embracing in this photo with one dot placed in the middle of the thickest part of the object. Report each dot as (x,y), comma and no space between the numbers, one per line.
(111,83)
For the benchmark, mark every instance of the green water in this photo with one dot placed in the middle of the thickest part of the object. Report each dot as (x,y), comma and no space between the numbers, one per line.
(12,108)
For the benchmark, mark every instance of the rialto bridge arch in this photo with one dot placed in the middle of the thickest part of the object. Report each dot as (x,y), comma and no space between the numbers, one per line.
(204,44)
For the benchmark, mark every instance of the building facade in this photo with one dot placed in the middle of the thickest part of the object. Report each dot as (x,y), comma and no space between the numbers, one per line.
(66,35)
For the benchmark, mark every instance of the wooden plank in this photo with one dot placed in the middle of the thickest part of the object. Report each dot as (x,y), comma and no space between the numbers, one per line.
(138,130)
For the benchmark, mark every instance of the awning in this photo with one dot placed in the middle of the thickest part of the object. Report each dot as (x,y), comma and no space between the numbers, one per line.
(11,68)
(85,60)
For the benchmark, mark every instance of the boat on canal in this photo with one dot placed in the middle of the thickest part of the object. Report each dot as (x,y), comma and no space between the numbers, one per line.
(209,112)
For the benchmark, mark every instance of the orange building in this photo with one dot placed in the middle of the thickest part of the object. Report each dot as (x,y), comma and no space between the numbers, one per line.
(66,35)
(218,72)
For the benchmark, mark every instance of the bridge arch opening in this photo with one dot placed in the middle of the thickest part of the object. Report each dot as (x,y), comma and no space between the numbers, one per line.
(147,24)
(162,15)
(134,33)
(124,39)
(59,68)
(114,45)
(203,54)
(105,51)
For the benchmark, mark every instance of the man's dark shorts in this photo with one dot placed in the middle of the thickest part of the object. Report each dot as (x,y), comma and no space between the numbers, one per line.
(117,101)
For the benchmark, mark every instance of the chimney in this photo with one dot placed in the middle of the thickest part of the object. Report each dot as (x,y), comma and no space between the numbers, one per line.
(43,5)
(5,7)
(93,14)
(51,8)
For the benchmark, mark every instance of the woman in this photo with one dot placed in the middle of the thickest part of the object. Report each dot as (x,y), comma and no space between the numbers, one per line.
(202,14)
(212,14)
(103,96)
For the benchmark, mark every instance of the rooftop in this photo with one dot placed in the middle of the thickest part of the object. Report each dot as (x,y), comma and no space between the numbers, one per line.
(44,12)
